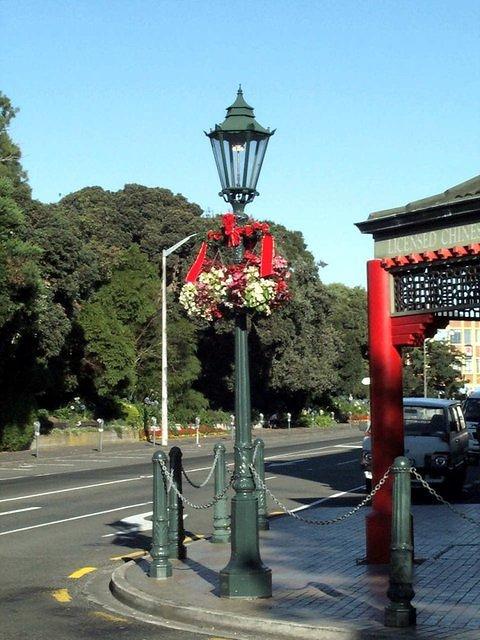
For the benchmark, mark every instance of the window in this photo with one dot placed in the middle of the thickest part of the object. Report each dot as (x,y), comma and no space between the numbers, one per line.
(477,336)
(456,336)
(468,365)
(467,336)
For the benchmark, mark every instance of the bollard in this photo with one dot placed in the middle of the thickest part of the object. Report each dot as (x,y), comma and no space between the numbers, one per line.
(160,566)
(400,612)
(197,431)
(100,434)
(36,432)
(176,532)
(232,426)
(221,519)
(289,420)
(153,420)
(259,464)
(262,420)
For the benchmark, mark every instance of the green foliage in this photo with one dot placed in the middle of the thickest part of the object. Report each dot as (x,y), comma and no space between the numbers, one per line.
(315,419)
(443,368)
(348,316)
(346,409)
(16,437)
(131,414)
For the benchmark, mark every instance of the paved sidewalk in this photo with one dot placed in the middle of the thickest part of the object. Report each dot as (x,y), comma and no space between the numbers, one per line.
(320,592)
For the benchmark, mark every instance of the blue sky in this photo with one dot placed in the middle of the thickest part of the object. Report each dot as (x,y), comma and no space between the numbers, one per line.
(375,103)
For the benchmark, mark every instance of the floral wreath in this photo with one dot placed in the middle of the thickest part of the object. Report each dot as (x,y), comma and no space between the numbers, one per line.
(257,283)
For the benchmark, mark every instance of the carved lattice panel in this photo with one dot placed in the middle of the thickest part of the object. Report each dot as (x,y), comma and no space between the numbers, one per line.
(447,288)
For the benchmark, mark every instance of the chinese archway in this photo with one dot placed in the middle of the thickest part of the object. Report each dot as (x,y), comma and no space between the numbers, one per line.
(425,272)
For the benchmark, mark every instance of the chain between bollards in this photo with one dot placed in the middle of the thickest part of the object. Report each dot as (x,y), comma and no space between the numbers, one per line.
(260,492)
(176,532)
(160,567)
(221,518)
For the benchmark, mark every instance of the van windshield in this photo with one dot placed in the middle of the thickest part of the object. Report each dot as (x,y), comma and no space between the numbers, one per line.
(424,421)
(471,409)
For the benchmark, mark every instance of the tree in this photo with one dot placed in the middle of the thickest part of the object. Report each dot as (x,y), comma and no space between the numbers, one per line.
(444,363)
(348,315)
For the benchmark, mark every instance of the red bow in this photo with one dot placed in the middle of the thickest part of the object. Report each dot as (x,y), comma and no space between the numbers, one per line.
(230,229)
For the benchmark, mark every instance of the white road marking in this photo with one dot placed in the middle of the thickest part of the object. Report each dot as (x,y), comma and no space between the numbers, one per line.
(286,464)
(87,486)
(7,513)
(334,495)
(347,462)
(13,477)
(348,446)
(86,515)
(271,478)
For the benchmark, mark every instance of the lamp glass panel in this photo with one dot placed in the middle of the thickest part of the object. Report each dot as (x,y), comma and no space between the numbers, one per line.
(222,168)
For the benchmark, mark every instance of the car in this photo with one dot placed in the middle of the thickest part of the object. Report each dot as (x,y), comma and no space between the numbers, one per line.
(436,442)
(471,411)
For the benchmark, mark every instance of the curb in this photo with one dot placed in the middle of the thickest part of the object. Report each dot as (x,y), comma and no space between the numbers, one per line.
(247,625)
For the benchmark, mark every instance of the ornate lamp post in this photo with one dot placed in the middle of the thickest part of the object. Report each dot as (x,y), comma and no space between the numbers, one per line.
(239,145)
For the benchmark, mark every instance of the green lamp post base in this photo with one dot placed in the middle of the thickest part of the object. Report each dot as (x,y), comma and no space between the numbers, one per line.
(245,576)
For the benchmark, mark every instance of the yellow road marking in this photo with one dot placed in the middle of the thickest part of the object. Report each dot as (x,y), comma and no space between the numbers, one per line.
(135,554)
(109,617)
(193,537)
(81,572)
(276,513)
(62,595)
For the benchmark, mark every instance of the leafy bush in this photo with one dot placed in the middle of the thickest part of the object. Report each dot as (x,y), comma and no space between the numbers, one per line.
(319,419)
(16,437)
(346,409)
(131,415)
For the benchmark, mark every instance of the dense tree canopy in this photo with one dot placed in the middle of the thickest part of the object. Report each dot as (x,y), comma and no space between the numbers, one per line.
(80,310)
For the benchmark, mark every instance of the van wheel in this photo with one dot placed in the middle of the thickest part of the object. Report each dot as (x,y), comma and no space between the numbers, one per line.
(368,485)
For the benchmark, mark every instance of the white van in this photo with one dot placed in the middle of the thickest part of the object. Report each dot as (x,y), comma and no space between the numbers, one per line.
(435,441)
(471,411)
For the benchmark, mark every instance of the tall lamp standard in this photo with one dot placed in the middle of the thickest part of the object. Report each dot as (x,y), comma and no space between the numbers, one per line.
(165,254)
(239,145)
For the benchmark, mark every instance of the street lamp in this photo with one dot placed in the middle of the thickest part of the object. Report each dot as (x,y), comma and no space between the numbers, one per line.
(239,145)
(165,254)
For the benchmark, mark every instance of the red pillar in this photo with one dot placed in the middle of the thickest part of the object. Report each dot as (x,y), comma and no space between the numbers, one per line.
(386,409)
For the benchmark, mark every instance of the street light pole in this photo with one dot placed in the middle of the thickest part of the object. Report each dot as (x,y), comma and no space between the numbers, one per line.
(425,367)
(165,254)
(239,145)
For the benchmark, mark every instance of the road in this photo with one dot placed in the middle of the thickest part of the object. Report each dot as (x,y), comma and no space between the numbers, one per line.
(67,517)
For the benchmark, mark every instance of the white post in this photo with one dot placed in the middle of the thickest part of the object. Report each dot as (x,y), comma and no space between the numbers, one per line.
(36,427)
(262,420)
(164,352)
(289,419)
(197,434)
(232,426)
(100,434)
(154,430)
(165,253)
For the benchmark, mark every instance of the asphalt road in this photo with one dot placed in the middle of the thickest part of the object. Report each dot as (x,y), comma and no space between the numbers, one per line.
(73,515)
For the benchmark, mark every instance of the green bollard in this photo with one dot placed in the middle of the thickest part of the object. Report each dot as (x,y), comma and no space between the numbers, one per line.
(400,612)
(176,532)
(221,519)
(259,464)
(160,566)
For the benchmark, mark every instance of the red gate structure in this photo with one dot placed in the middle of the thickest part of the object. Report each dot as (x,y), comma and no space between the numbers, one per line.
(426,271)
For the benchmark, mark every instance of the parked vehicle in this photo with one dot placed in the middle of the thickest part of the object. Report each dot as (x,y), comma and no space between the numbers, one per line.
(435,439)
(471,410)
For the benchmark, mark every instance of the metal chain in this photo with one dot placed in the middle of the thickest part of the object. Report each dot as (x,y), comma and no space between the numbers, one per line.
(440,499)
(264,487)
(172,485)
(202,484)
(255,451)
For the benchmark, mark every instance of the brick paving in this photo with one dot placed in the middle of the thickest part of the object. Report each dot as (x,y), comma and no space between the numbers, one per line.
(319,583)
